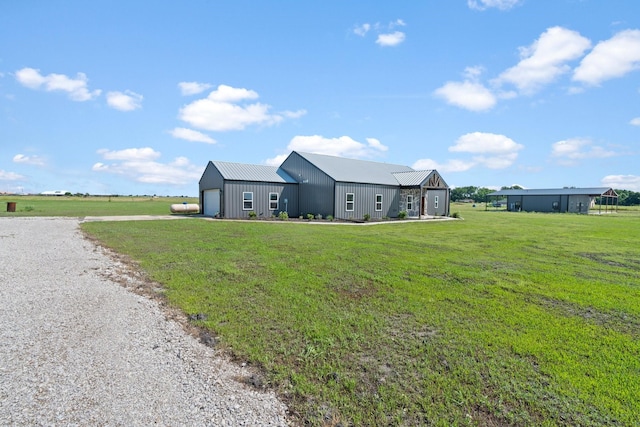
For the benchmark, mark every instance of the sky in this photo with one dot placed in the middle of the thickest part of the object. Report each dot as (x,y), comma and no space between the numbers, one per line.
(136,97)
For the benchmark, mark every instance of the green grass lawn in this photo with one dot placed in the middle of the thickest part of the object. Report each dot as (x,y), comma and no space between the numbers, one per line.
(89,206)
(500,319)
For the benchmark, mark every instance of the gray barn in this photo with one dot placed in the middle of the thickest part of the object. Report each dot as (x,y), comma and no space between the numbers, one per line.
(319,184)
(573,200)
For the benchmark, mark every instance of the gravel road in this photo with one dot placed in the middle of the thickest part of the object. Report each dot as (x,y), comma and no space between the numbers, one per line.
(77,348)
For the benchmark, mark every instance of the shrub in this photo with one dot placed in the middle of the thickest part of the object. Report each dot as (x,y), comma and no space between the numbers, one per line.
(455,215)
(366,217)
(329,217)
(319,216)
(309,217)
(252,215)
(283,215)
(402,214)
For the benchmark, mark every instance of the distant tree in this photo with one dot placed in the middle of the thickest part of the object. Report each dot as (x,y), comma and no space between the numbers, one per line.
(477,194)
(628,198)
(513,187)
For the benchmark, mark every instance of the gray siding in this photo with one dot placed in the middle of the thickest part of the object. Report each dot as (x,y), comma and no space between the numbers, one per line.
(365,199)
(443,202)
(545,203)
(211,179)
(233,201)
(315,187)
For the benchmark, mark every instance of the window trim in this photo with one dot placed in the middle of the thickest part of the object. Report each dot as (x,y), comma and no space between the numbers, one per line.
(378,204)
(435,202)
(276,201)
(246,200)
(352,202)
(409,202)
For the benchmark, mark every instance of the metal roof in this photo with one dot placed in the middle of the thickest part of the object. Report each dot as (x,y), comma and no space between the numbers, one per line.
(352,170)
(412,178)
(246,172)
(592,191)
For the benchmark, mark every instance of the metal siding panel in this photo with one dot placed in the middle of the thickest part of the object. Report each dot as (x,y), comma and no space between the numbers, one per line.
(211,179)
(233,198)
(431,201)
(315,191)
(364,198)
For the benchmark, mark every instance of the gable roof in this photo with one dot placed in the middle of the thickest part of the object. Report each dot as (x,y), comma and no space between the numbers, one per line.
(412,178)
(351,170)
(246,172)
(591,191)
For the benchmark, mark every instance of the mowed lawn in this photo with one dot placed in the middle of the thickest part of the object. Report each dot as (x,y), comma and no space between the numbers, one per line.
(79,206)
(498,319)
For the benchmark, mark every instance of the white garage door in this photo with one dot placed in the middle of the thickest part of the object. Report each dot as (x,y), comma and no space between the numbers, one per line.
(211,200)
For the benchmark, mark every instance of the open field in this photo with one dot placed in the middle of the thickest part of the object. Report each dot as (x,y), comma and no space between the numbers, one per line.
(500,319)
(89,206)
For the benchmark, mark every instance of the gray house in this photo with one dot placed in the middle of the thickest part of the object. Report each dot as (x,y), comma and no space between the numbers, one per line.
(319,184)
(574,200)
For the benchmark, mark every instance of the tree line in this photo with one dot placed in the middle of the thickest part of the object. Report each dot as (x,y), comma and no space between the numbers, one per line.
(478,195)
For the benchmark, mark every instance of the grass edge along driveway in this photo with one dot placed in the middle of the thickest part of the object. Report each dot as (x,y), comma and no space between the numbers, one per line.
(500,319)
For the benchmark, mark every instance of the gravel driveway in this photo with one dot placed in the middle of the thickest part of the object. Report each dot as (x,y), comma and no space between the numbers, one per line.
(76,348)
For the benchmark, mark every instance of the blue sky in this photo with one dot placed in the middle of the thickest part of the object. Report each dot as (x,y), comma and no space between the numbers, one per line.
(135,97)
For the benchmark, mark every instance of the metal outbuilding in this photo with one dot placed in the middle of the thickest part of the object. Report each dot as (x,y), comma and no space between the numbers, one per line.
(317,184)
(572,200)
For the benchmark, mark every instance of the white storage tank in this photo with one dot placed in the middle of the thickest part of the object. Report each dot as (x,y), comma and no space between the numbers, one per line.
(185,208)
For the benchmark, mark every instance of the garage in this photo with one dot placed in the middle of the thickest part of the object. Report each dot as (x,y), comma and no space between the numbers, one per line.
(211,199)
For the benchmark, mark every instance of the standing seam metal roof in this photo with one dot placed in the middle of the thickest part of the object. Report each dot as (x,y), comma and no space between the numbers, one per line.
(412,178)
(358,171)
(592,191)
(246,172)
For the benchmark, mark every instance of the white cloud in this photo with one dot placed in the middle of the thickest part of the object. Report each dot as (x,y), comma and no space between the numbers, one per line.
(468,95)
(390,39)
(622,182)
(611,58)
(29,160)
(222,111)
(482,142)
(569,151)
(545,59)
(193,88)
(498,4)
(139,164)
(635,121)
(124,101)
(10,176)
(76,88)
(454,165)
(386,36)
(343,146)
(144,154)
(489,150)
(192,135)
(362,30)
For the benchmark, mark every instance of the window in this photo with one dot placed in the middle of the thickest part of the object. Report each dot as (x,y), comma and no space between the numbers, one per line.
(378,202)
(247,201)
(350,201)
(409,202)
(273,201)
(435,202)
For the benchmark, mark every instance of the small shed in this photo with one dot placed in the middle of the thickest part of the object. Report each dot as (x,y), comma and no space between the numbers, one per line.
(572,200)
